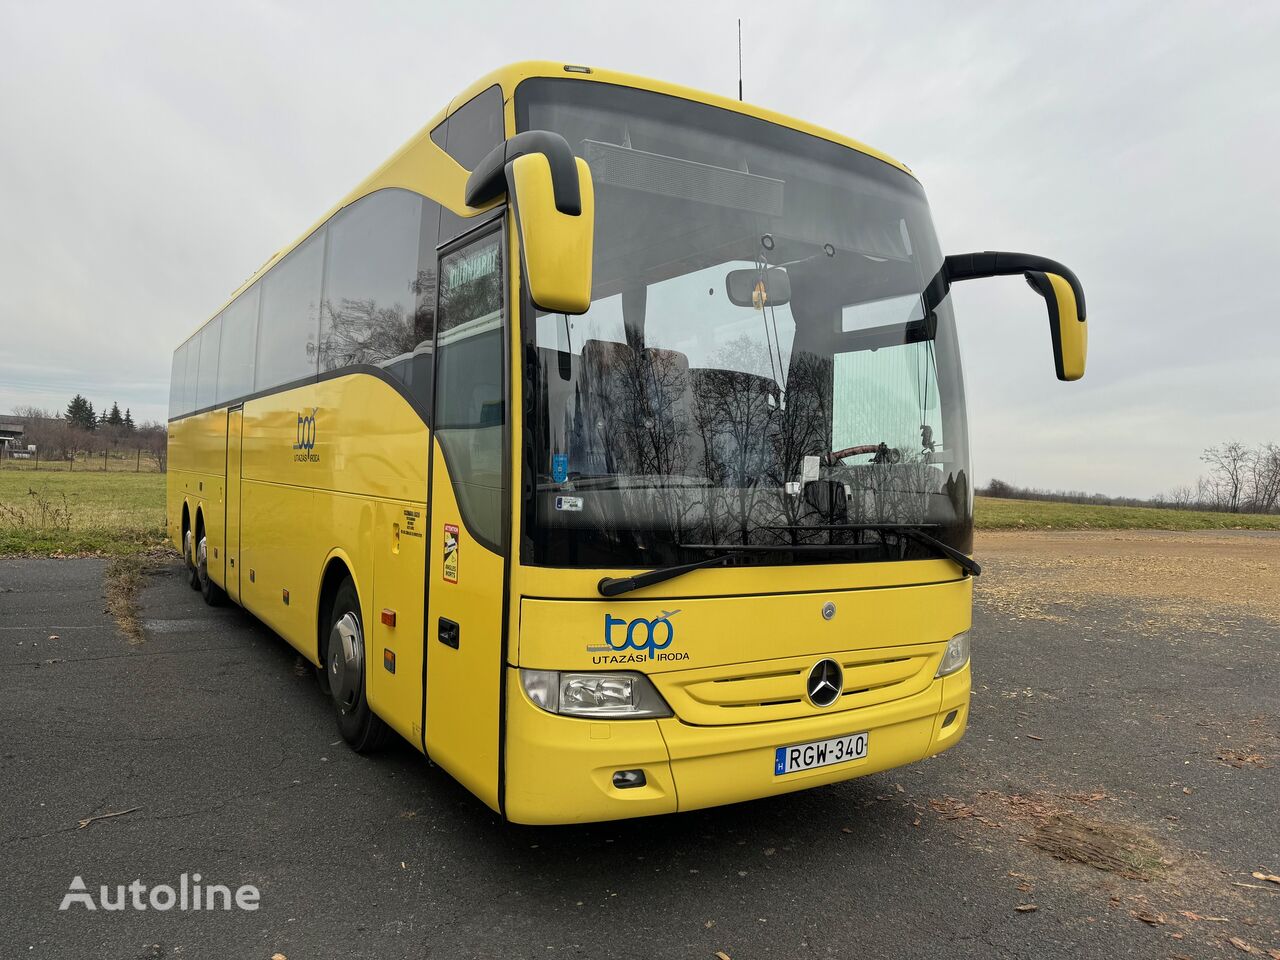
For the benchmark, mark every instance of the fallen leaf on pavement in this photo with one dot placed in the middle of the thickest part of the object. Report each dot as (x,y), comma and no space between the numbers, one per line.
(1259,875)
(1192,915)
(1241,945)
(721,955)
(1029,736)
(1026,907)
(105,816)
(1154,919)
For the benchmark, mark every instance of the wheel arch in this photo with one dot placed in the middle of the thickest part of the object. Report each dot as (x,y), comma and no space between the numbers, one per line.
(338,566)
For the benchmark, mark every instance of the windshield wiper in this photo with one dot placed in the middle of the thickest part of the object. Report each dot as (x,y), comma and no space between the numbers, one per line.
(914,531)
(613,586)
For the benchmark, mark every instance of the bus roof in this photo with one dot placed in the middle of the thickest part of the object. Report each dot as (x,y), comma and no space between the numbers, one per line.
(420,165)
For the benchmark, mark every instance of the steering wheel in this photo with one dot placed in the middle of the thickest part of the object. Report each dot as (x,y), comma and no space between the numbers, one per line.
(883,454)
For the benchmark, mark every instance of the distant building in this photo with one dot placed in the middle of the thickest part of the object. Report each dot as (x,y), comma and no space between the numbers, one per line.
(11,436)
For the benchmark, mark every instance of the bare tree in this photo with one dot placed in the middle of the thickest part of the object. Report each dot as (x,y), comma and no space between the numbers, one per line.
(1264,478)
(1228,474)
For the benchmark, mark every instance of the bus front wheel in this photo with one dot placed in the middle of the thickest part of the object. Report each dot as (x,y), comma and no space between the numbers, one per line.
(345,671)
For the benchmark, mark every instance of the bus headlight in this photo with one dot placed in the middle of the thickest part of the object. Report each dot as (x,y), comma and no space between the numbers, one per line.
(603,696)
(956,655)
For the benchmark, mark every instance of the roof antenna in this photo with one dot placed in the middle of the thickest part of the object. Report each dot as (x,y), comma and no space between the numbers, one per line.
(739,59)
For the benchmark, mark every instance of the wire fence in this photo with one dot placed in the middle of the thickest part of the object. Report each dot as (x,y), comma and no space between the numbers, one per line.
(136,460)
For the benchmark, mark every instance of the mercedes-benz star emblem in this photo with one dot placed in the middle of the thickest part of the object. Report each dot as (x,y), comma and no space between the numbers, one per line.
(825,684)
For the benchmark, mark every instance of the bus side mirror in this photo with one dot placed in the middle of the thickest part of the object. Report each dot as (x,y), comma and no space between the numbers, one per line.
(1061,289)
(1067,327)
(553,205)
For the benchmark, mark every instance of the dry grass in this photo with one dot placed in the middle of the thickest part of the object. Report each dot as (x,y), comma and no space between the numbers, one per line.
(123,582)
(1167,583)
(61,514)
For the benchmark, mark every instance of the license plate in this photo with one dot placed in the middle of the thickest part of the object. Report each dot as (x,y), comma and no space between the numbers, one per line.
(819,753)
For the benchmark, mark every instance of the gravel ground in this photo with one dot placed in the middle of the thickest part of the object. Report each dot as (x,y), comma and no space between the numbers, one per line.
(1116,793)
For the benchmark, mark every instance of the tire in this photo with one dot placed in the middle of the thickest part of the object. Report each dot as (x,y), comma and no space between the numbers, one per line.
(345,665)
(189,554)
(212,593)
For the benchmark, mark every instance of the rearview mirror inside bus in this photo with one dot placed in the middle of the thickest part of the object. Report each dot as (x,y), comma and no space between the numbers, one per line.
(758,288)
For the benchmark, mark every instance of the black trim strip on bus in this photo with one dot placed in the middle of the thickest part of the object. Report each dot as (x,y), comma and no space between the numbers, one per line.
(368,369)
(665,598)
(508,529)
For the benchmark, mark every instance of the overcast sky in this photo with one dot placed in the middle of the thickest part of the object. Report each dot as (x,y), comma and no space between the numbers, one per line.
(154,155)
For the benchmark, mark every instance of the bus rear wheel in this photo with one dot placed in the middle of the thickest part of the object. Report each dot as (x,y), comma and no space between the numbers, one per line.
(189,556)
(211,592)
(344,667)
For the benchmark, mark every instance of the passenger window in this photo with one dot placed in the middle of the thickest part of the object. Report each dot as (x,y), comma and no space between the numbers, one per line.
(177,376)
(206,391)
(193,372)
(239,342)
(289,327)
(470,413)
(474,129)
(379,288)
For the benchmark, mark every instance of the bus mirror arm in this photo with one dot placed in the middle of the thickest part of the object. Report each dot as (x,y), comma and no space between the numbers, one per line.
(488,180)
(552,203)
(1055,282)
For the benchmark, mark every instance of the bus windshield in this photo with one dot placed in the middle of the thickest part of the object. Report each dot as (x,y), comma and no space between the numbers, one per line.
(757,366)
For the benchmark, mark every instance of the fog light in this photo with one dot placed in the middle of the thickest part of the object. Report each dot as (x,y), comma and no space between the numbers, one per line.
(949,719)
(955,656)
(627,779)
(604,696)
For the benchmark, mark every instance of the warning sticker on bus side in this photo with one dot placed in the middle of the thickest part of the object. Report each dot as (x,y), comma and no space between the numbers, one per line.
(451,552)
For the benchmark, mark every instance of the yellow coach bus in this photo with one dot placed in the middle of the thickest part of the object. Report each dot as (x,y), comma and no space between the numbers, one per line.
(608,444)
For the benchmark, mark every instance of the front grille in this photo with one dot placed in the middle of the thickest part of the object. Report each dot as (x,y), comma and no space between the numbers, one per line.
(775,689)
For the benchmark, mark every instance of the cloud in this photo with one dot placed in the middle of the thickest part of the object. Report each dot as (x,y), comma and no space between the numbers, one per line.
(157,154)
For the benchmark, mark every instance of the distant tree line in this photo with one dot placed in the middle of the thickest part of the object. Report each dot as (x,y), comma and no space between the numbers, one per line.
(1239,479)
(60,435)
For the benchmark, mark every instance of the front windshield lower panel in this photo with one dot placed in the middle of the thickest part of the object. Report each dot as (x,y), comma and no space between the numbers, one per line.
(756,367)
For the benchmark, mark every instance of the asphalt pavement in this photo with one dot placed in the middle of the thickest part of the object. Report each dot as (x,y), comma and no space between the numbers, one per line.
(1114,795)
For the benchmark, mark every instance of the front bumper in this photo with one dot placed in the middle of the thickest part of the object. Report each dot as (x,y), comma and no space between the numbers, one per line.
(560,769)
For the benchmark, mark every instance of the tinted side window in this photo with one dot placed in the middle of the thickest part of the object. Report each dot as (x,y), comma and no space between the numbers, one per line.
(177,374)
(369,311)
(193,372)
(474,129)
(239,343)
(379,289)
(470,412)
(207,390)
(289,327)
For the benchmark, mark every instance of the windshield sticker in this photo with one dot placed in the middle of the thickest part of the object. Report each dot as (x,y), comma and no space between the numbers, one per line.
(637,641)
(451,552)
(569,503)
(560,468)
